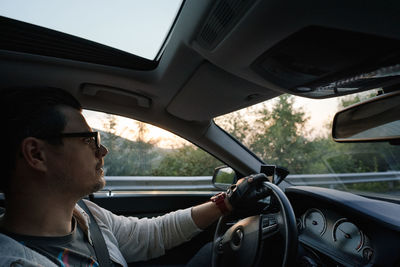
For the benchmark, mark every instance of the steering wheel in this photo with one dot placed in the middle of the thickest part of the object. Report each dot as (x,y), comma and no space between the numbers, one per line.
(241,243)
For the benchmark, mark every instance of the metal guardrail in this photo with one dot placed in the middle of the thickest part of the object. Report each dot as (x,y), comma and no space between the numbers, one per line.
(202,183)
(343,178)
(158,183)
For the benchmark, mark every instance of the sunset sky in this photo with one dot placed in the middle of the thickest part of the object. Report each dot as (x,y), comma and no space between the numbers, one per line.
(319,111)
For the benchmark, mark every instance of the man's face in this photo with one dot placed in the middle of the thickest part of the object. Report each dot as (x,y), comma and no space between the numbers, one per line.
(76,166)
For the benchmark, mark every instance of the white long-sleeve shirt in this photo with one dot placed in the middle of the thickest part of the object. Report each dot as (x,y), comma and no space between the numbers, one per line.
(128,239)
(131,239)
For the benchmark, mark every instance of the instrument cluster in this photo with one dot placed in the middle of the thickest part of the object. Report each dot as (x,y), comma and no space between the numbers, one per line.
(335,235)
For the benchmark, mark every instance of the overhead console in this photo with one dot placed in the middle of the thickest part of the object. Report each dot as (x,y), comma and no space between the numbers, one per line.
(320,62)
(211,92)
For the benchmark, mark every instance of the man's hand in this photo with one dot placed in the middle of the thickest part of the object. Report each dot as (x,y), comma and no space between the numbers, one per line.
(245,195)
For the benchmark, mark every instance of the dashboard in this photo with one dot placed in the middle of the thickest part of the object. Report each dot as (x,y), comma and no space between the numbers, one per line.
(338,228)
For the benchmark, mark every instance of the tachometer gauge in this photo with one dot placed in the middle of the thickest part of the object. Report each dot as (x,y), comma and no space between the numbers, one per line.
(347,235)
(315,221)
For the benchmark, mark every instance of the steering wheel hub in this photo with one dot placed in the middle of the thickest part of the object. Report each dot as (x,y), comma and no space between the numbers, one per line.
(237,237)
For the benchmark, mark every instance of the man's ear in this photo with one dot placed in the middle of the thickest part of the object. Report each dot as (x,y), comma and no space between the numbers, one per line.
(33,151)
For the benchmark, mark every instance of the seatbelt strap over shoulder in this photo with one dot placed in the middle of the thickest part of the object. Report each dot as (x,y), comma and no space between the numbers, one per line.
(99,244)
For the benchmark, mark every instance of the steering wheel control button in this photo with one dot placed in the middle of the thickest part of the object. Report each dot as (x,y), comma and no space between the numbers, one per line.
(219,246)
(237,238)
(269,226)
(268,221)
(265,222)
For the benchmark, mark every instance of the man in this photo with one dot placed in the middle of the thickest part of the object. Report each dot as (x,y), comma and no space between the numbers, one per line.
(53,160)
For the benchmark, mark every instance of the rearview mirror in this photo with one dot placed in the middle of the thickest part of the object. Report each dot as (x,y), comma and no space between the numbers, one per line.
(223,177)
(377,119)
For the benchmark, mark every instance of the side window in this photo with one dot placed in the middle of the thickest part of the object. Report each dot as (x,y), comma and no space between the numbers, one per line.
(138,149)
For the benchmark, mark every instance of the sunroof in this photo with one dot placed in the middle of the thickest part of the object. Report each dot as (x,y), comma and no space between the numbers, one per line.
(134,26)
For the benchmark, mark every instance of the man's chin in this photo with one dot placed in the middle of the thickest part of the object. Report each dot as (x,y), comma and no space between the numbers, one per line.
(100,185)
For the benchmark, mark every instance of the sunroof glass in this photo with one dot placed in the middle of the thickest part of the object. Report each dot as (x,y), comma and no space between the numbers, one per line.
(139,27)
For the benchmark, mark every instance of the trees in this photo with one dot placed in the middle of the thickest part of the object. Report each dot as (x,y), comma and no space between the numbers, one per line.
(278,137)
(276,133)
(187,161)
(126,157)
(237,125)
(143,157)
(117,161)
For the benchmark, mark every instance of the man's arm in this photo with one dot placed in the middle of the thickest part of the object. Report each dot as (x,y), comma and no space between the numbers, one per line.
(205,214)
(142,239)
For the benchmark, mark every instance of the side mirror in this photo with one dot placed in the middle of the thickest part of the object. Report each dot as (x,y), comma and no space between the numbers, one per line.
(377,119)
(223,177)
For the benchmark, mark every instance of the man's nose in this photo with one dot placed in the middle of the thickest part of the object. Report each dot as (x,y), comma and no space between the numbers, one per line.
(102,151)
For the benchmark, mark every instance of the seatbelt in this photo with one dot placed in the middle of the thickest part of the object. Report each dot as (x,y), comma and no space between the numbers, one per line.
(99,244)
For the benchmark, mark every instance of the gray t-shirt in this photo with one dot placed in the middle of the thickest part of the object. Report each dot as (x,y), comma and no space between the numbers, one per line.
(73,249)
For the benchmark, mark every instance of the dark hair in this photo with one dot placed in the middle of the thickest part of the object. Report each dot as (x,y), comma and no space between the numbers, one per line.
(30,112)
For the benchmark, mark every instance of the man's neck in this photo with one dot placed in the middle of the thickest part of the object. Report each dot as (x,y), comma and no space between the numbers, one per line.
(38,216)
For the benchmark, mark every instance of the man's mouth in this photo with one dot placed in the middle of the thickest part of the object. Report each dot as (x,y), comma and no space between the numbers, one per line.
(100,172)
(99,165)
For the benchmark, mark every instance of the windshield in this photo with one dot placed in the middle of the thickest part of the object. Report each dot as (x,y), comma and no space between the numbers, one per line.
(295,133)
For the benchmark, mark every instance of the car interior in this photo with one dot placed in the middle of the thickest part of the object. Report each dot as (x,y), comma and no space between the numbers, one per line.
(222,56)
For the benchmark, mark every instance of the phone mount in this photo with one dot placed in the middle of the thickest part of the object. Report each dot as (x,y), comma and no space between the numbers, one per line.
(276,174)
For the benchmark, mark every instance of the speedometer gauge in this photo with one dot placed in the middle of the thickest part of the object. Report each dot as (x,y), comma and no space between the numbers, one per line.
(315,221)
(347,235)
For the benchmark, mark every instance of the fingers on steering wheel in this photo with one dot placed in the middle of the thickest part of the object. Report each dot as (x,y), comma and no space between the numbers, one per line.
(263,192)
(258,178)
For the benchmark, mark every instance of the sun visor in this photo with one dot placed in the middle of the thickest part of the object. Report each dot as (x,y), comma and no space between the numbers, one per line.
(212,92)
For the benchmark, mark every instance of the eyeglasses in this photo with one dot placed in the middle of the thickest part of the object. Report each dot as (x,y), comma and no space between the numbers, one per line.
(91,135)
(95,135)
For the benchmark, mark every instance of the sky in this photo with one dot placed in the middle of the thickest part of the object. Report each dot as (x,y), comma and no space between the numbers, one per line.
(320,112)
(135,26)
(127,128)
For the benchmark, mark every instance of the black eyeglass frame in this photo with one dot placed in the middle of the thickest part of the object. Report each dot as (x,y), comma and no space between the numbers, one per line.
(96,136)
